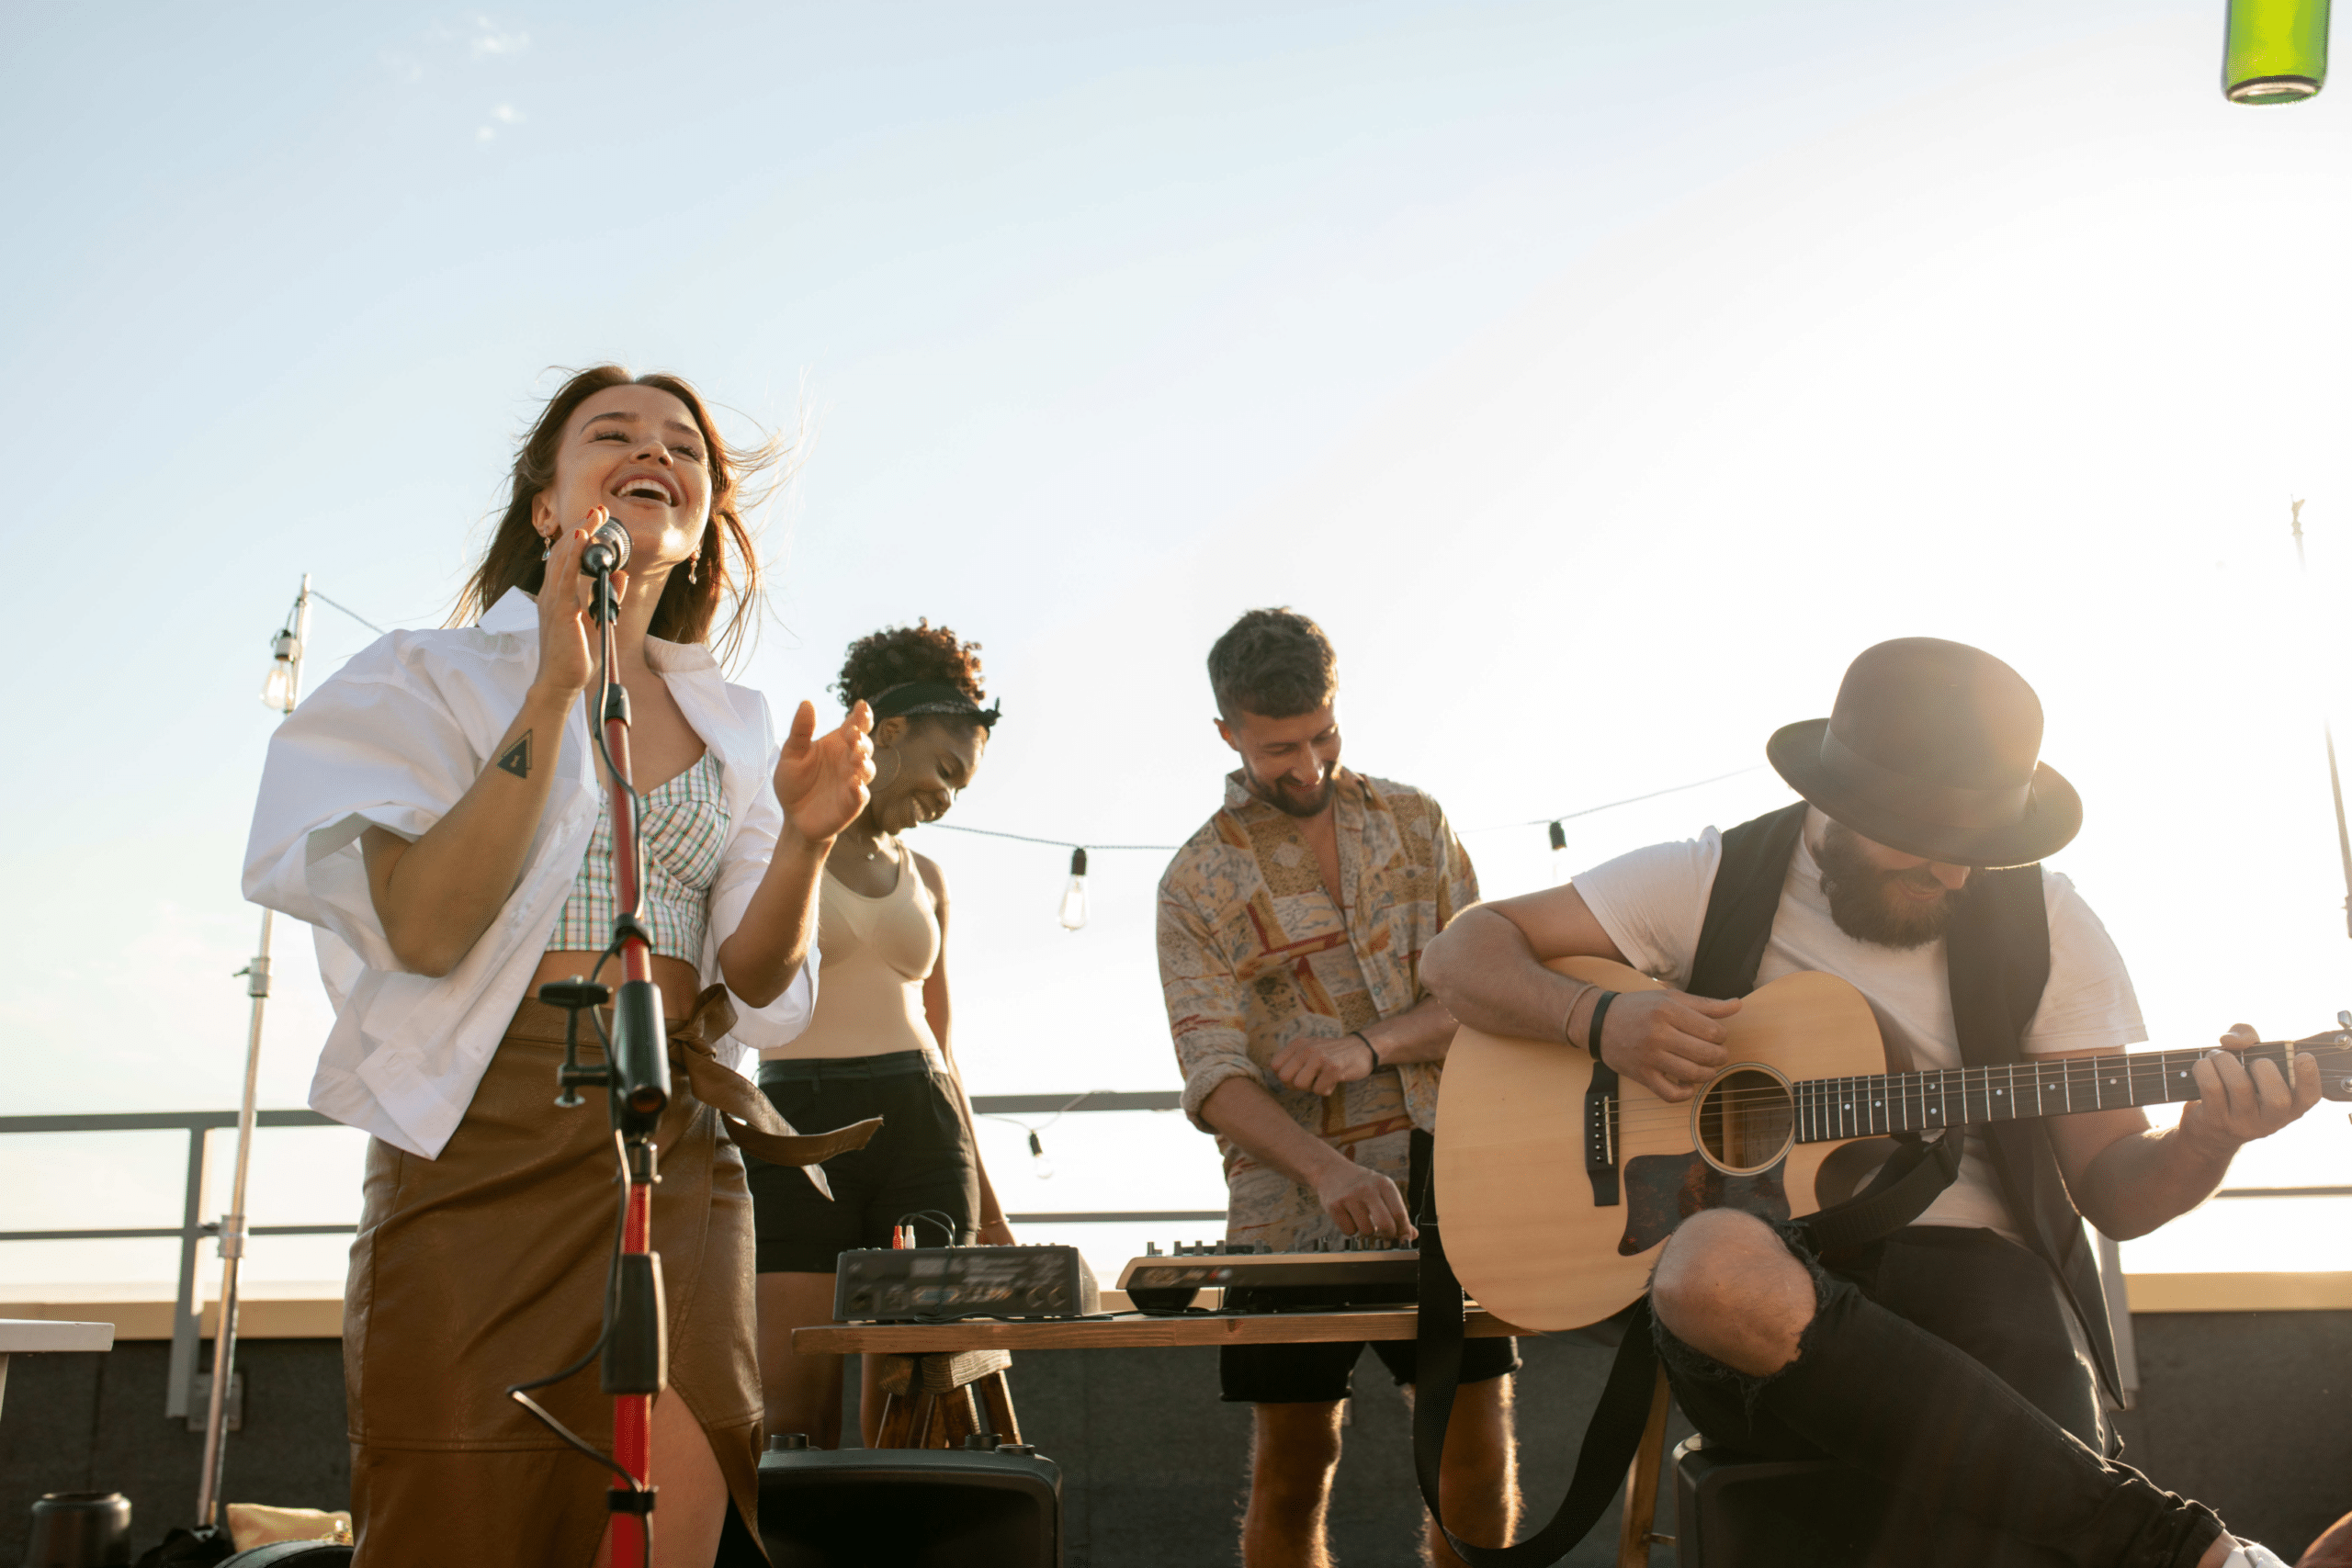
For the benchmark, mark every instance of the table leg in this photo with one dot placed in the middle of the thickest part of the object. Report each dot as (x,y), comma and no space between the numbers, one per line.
(1633,1533)
(996,1395)
(968,1415)
(929,1422)
(891,1429)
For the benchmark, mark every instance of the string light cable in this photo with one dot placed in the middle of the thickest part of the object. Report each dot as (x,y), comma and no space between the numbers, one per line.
(1038,1143)
(349,611)
(1050,843)
(1073,910)
(1613,804)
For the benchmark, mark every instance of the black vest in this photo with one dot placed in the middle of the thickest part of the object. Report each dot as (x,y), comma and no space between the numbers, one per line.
(1997,952)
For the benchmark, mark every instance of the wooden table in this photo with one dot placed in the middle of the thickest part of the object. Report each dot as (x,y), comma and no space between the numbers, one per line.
(946,1380)
(943,1381)
(1130,1331)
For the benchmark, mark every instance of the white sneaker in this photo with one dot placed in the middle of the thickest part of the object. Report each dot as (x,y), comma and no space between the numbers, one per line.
(2249,1555)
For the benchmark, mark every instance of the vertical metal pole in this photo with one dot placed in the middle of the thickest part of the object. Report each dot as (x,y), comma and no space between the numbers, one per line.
(186,1313)
(2327,730)
(233,1223)
(2342,836)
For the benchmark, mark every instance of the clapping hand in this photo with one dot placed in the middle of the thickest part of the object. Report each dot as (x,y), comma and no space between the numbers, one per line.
(820,780)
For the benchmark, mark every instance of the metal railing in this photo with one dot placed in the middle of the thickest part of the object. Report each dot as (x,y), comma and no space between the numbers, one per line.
(193,1229)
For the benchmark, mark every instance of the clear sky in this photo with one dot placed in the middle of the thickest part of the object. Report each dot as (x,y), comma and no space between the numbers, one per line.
(1602,376)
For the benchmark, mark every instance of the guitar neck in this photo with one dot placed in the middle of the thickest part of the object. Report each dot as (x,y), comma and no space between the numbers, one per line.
(1830,1109)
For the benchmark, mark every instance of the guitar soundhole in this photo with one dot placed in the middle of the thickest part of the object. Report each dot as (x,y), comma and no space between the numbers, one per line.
(1745,1120)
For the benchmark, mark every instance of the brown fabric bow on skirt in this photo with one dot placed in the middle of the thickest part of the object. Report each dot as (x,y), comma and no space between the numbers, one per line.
(753,1120)
(487,1267)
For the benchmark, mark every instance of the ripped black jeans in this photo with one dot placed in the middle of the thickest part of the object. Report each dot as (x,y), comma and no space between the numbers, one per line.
(1939,1362)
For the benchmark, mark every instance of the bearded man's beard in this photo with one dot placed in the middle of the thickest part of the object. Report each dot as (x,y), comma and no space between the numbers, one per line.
(1282,797)
(1867,903)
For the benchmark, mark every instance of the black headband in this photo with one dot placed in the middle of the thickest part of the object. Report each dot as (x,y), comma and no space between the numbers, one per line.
(912,699)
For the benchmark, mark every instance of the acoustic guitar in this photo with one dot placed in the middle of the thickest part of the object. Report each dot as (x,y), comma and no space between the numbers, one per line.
(1556,1193)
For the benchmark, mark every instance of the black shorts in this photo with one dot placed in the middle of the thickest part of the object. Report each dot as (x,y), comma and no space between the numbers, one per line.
(919,1169)
(1320,1373)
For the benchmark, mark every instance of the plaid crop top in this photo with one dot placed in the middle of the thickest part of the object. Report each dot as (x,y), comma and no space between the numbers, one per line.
(685,827)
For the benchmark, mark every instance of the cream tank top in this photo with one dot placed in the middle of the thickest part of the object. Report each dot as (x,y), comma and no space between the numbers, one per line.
(876,953)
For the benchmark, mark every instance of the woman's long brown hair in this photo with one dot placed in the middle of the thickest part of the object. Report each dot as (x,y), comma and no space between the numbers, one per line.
(728,570)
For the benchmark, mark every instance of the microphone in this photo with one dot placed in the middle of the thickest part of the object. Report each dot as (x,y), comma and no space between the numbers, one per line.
(606,551)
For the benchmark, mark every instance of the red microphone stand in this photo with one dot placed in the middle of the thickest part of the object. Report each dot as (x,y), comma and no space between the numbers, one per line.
(636,1076)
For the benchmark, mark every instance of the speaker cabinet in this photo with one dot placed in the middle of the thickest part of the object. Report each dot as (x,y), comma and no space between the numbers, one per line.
(910,1508)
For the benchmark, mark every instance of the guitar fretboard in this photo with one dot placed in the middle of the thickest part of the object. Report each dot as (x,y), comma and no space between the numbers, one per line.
(1955,1097)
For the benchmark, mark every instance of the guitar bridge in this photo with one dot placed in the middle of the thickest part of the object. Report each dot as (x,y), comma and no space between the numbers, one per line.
(1601,1136)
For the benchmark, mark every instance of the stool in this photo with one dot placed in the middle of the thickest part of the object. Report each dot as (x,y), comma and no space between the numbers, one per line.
(1733,1510)
(936,1401)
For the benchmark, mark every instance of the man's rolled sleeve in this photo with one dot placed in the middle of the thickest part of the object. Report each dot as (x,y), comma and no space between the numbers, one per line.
(1205,1016)
(1457,879)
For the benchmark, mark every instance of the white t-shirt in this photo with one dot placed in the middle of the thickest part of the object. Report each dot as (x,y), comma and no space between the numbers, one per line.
(1653,901)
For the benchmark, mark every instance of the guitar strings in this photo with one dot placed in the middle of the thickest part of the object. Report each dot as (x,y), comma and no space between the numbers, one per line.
(1912,1114)
(2075,1072)
(1919,1091)
(2147,1072)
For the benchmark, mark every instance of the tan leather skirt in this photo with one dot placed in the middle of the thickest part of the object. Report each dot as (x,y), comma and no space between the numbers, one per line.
(487,1267)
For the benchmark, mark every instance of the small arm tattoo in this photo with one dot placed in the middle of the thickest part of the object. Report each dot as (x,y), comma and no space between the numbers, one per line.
(516,759)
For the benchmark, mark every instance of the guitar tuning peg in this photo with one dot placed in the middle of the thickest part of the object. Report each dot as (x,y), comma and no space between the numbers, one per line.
(2345,1018)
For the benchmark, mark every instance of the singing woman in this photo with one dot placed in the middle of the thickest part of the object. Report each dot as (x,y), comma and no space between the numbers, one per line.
(879,1043)
(434,810)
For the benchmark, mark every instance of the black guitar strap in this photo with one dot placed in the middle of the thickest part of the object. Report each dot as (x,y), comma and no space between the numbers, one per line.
(1899,1194)
(1609,1442)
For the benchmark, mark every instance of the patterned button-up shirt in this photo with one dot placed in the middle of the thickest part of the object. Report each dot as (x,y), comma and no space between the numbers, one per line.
(1254,955)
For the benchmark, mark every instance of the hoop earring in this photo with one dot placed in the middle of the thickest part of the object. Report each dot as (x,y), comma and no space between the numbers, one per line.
(896,762)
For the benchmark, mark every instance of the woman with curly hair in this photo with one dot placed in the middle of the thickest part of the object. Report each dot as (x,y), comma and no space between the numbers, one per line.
(878,1044)
(434,809)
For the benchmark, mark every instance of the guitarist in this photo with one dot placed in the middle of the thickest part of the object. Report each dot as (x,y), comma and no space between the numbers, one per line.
(1958,1357)
(1291,930)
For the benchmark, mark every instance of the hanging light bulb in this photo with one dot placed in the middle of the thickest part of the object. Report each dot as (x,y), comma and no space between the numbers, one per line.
(1559,855)
(277,687)
(1043,1168)
(1074,896)
(2275,51)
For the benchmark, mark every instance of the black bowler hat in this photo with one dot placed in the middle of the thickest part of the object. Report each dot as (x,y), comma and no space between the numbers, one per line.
(1933,749)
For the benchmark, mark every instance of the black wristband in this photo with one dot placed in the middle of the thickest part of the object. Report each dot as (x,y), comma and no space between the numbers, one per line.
(1592,1030)
(1368,1045)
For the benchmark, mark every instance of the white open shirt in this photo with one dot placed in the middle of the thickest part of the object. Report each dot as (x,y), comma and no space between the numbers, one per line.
(391,741)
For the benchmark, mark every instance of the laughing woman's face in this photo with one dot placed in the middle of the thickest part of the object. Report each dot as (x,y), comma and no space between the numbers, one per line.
(634,451)
(934,762)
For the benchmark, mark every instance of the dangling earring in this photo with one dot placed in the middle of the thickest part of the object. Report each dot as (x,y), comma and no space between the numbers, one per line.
(694,569)
(548,540)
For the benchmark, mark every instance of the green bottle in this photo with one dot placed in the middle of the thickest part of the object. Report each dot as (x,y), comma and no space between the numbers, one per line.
(2276,52)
